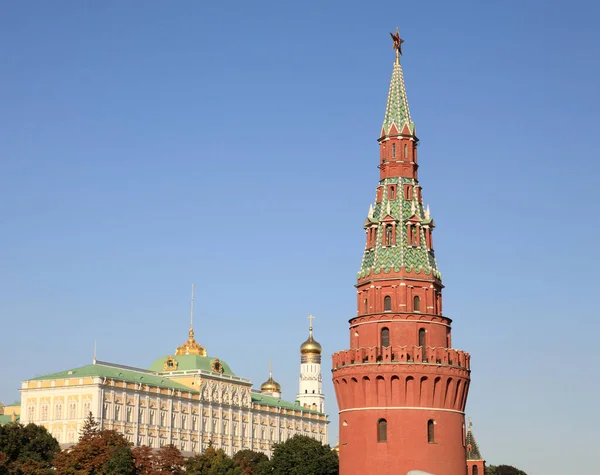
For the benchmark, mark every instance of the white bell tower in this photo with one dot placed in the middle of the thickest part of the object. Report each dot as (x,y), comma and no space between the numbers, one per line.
(310,394)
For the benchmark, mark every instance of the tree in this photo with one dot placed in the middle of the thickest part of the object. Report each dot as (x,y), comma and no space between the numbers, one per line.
(302,455)
(251,462)
(212,462)
(503,470)
(120,463)
(96,449)
(142,459)
(26,449)
(169,459)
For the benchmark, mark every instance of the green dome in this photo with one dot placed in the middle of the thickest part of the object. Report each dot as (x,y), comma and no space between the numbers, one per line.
(191,362)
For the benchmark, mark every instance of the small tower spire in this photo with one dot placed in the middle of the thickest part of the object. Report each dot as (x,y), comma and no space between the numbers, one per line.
(94,360)
(397,112)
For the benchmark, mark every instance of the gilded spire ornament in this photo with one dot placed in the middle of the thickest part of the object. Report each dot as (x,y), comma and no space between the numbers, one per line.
(191,347)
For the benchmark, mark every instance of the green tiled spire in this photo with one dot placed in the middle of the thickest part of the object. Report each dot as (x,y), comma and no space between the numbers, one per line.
(472,447)
(397,111)
(401,255)
(382,258)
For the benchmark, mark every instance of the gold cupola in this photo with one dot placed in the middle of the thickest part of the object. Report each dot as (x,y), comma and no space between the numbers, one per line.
(311,349)
(191,346)
(270,386)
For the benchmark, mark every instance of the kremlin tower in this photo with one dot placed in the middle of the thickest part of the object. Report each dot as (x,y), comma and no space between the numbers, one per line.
(401,388)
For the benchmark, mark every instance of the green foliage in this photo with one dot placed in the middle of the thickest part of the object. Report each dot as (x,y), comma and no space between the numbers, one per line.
(503,470)
(302,455)
(120,463)
(251,462)
(212,462)
(26,449)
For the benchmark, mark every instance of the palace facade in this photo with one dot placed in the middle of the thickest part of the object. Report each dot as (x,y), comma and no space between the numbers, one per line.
(187,399)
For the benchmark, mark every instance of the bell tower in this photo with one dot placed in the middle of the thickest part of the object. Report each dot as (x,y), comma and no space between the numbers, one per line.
(401,388)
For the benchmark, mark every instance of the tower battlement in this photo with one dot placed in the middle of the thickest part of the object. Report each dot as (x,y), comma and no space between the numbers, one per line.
(436,356)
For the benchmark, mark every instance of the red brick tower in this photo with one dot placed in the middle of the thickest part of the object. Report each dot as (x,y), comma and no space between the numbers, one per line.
(401,388)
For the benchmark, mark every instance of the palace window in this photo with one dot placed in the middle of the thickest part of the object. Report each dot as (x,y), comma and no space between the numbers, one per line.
(393,150)
(381,430)
(117,412)
(387,304)
(58,411)
(417,303)
(86,408)
(431,431)
(385,337)
(72,410)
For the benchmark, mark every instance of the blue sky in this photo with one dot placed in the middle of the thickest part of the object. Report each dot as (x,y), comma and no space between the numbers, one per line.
(148,145)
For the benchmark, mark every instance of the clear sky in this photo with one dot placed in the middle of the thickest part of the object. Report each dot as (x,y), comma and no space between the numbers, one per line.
(146,145)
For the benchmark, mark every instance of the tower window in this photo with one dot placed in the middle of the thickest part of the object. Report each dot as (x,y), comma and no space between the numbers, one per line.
(431,431)
(414,235)
(387,304)
(393,150)
(385,337)
(417,303)
(405,150)
(392,192)
(389,236)
(381,430)
(422,343)
(475,470)
(366,306)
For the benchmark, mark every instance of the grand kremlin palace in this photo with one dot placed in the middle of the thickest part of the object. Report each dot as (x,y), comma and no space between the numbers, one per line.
(189,400)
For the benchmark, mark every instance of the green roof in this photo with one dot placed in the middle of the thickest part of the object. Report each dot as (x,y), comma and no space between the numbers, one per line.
(472,447)
(275,402)
(191,362)
(396,110)
(14,404)
(381,258)
(6,420)
(105,370)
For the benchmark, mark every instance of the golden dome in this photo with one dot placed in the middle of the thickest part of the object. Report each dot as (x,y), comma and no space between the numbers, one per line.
(270,386)
(311,346)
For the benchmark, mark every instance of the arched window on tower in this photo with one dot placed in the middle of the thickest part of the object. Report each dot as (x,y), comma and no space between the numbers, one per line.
(431,431)
(422,344)
(387,303)
(417,303)
(385,337)
(381,430)
(475,470)
(414,234)
(366,306)
(393,150)
(389,236)
(405,150)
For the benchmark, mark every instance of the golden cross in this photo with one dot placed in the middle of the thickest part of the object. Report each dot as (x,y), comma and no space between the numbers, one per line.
(310,319)
(270,366)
